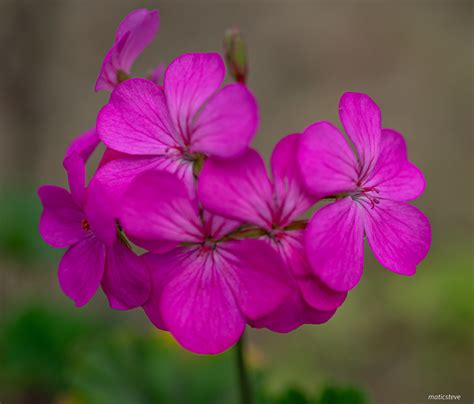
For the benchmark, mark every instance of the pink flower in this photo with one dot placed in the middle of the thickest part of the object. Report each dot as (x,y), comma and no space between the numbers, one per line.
(88,261)
(190,115)
(170,128)
(241,189)
(133,35)
(371,191)
(208,287)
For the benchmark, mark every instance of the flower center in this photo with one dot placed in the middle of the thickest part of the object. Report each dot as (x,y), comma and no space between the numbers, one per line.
(366,194)
(85,225)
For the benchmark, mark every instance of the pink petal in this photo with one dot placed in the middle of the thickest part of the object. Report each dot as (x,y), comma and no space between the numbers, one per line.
(291,314)
(133,35)
(61,221)
(157,74)
(81,270)
(136,120)
(127,281)
(110,70)
(362,121)
(84,144)
(394,176)
(227,124)
(120,172)
(399,235)
(290,193)
(327,163)
(189,81)
(139,21)
(75,160)
(217,226)
(157,206)
(101,210)
(198,306)
(335,244)
(290,246)
(163,267)
(283,162)
(109,155)
(317,295)
(76,173)
(238,188)
(154,246)
(256,274)
(107,187)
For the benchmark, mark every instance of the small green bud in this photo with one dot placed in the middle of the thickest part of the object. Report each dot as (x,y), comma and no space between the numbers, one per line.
(236,55)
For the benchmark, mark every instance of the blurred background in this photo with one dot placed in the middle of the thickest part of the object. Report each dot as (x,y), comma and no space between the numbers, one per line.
(395,340)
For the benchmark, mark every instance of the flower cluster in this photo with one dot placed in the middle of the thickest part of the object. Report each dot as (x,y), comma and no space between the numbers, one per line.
(226,244)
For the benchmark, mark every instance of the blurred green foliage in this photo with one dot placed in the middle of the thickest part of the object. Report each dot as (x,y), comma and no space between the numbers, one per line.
(336,395)
(36,346)
(20,210)
(328,395)
(130,368)
(48,356)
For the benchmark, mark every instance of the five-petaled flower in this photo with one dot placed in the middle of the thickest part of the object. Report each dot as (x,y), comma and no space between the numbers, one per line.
(207,287)
(171,128)
(240,189)
(371,193)
(88,262)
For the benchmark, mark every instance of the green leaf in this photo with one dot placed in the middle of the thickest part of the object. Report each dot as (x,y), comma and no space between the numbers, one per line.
(342,395)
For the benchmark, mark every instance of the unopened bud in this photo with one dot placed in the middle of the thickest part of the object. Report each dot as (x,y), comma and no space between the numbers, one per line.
(236,55)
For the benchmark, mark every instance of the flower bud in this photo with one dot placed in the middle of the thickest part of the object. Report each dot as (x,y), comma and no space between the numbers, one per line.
(236,55)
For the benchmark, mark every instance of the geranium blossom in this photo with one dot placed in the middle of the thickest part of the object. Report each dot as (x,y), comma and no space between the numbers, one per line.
(88,262)
(227,245)
(240,189)
(209,286)
(171,128)
(189,115)
(371,191)
(133,35)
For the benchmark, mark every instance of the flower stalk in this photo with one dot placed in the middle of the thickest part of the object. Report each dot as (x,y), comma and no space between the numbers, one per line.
(244,384)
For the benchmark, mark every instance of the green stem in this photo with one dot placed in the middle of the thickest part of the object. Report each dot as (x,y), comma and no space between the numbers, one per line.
(249,232)
(245,391)
(297,225)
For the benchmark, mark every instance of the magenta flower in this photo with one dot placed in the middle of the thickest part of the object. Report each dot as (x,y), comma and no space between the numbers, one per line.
(207,288)
(88,261)
(133,35)
(371,191)
(241,189)
(170,128)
